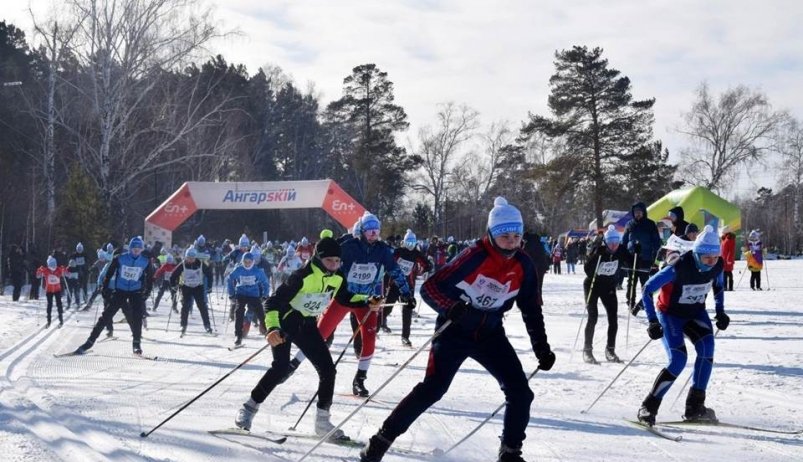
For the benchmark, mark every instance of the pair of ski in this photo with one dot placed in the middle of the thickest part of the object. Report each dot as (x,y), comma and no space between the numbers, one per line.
(82,353)
(680,423)
(345,441)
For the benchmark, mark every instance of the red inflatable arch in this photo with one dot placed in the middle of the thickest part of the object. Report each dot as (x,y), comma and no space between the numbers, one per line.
(194,195)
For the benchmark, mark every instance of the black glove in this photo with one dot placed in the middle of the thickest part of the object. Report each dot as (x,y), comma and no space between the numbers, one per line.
(408,300)
(655,330)
(107,293)
(546,358)
(457,311)
(723,320)
(637,247)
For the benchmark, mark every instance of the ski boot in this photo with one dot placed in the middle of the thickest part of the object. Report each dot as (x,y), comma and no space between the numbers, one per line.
(648,411)
(610,355)
(109,334)
(406,342)
(358,385)
(323,426)
(61,323)
(695,408)
(245,416)
(209,330)
(635,308)
(588,356)
(376,448)
(238,342)
(386,329)
(83,348)
(47,326)
(509,454)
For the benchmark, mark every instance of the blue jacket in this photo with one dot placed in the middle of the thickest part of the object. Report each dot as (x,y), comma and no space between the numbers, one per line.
(684,288)
(130,274)
(645,232)
(248,282)
(364,266)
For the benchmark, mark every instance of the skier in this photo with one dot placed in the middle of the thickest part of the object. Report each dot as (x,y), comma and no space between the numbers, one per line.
(82,265)
(193,277)
(364,261)
(291,317)
(72,276)
(125,281)
(451,249)
(604,257)
(411,261)
(289,264)
(163,275)
(16,270)
(53,279)
(755,259)
(728,249)
(642,241)
(474,291)
(557,256)
(304,250)
(684,286)
(678,223)
(247,286)
(97,267)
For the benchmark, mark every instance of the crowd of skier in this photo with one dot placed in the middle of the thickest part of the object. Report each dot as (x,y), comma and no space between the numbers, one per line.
(299,292)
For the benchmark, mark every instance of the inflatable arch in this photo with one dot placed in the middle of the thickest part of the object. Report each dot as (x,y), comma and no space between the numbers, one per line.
(701,207)
(194,195)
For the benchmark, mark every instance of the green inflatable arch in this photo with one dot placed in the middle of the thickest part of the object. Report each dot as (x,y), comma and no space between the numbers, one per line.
(701,207)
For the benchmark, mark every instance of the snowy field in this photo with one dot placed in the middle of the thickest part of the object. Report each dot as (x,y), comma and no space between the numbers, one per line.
(94,407)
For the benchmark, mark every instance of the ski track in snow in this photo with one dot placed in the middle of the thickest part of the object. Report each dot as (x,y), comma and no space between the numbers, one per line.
(93,407)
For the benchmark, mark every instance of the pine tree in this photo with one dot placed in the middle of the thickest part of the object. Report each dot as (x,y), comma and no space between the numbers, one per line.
(595,115)
(81,214)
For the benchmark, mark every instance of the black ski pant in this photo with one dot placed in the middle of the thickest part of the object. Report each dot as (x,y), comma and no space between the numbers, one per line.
(50,297)
(35,283)
(254,304)
(407,310)
(643,272)
(308,339)
(83,281)
(607,294)
(17,280)
(132,305)
(449,351)
(188,294)
(755,279)
(75,290)
(728,276)
(165,286)
(556,267)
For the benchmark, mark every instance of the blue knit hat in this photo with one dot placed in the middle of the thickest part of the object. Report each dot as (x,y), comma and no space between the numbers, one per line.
(244,241)
(170,259)
(504,218)
(190,252)
(51,262)
(612,236)
(707,242)
(79,247)
(368,222)
(136,243)
(247,256)
(201,240)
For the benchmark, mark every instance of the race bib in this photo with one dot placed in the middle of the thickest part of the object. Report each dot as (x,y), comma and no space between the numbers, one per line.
(311,304)
(80,261)
(487,294)
(248,280)
(406,266)
(608,268)
(694,293)
(52,279)
(130,273)
(193,278)
(72,275)
(168,274)
(362,273)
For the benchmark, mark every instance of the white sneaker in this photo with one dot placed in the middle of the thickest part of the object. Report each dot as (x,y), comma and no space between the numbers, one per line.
(323,425)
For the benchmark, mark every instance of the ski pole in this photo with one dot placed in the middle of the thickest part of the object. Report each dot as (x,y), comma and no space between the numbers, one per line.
(740,277)
(615,378)
(767,270)
(585,309)
(384,384)
(686,383)
(491,416)
(169,315)
(209,304)
(345,348)
(633,298)
(145,434)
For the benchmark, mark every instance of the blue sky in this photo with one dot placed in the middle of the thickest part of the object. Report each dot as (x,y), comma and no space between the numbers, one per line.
(497,56)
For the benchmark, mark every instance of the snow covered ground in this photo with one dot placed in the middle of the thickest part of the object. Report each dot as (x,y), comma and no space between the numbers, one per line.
(94,407)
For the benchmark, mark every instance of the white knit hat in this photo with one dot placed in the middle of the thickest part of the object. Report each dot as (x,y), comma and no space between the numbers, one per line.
(504,218)
(707,242)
